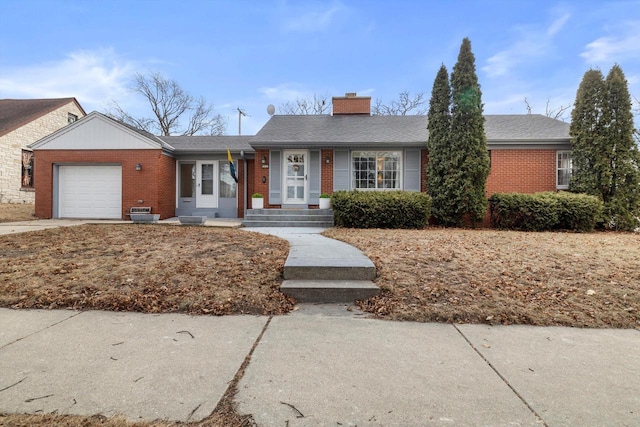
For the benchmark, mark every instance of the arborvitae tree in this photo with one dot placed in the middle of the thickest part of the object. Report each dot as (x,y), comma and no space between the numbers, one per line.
(587,133)
(620,186)
(469,168)
(606,161)
(439,122)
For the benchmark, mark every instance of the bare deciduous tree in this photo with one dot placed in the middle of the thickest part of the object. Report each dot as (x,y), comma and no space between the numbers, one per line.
(169,104)
(559,113)
(318,104)
(406,104)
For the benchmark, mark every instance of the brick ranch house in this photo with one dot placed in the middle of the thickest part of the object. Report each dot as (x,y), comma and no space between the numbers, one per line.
(23,122)
(100,168)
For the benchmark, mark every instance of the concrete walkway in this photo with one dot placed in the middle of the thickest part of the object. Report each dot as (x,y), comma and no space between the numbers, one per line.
(320,365)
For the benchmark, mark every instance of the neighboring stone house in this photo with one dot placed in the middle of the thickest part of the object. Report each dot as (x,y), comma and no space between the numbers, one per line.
(23,122)
(100,168)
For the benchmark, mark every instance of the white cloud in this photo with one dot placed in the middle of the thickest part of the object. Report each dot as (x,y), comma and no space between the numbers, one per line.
(313,20)
(532,42)
(93,77)
(557,25)
(614,48)
(285,92)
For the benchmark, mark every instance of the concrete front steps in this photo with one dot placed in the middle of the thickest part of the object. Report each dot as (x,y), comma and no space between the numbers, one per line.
(288,218)
(322,270)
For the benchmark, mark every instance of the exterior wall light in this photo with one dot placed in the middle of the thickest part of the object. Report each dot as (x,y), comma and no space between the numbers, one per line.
(327,160)
(139,167)
(264,160)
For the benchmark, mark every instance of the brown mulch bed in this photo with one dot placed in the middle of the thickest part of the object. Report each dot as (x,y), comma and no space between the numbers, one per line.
(503,277)
(144,268)
(10,212)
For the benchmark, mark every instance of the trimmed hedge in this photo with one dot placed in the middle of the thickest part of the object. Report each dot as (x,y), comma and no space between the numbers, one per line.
(381,209)
(544,211)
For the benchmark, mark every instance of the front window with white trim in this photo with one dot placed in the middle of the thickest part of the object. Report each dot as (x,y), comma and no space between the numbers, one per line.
(376,170)
(564,169)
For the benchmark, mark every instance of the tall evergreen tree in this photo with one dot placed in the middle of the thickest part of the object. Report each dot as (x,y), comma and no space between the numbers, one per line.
(620,186)
(587,133)
(606,161)
(439,122)
(469,168)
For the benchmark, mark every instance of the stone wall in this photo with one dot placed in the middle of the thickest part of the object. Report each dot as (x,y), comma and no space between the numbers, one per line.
(12,144)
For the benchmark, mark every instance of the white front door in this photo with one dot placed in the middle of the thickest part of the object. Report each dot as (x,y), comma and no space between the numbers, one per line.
(295,177)
(206,183)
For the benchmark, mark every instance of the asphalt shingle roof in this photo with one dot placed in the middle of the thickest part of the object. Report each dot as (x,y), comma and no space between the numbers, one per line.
(208,143)
(15,113)
(397,130)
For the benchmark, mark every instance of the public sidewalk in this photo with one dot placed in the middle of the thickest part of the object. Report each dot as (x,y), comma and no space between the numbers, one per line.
(320,365)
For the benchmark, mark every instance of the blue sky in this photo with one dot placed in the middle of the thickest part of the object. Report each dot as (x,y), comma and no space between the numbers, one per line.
(250,54)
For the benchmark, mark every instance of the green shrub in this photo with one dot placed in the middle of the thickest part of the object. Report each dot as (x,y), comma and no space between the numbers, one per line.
(544,211)
(577,212)
(527,212)
(381,209)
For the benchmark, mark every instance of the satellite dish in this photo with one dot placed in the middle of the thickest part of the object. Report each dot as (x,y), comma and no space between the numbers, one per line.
(271,109)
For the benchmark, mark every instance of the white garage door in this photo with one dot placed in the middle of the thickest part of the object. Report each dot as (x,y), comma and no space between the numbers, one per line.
(90,192)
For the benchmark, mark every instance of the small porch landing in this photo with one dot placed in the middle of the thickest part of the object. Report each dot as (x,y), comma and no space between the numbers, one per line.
(288,218)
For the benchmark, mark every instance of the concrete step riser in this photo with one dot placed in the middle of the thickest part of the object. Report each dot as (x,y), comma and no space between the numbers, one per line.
(286,224)
(286,212)
(329,273)
(324,291)
(288,218)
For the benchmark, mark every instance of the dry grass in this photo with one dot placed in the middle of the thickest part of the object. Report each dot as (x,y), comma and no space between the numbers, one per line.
(487,276)
(14,212)
(145,268)
(26,420)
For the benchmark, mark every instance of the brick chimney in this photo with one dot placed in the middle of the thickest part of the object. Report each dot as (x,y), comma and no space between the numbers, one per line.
(351,104)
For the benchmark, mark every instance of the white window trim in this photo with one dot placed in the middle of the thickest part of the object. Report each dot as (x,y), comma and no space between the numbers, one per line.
(570,169)
(400,156)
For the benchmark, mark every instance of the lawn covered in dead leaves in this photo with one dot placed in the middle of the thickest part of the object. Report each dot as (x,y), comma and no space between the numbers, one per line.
(144,268)
(503,277)
(10,212)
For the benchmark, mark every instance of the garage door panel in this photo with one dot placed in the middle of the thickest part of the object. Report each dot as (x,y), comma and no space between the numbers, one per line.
(90,192)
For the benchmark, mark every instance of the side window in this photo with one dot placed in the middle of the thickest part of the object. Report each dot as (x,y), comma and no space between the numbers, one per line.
(228,186)
(71,118)
(27,169)
(563,169)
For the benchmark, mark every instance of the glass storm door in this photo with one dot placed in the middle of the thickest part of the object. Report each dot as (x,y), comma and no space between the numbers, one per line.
(206,174)
(295,177)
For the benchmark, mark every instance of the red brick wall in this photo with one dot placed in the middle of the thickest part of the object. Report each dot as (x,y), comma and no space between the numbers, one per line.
(259,172)
(522,171)
(250,184)
(351,105)
(167,186)
(154,184)
(326,172)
